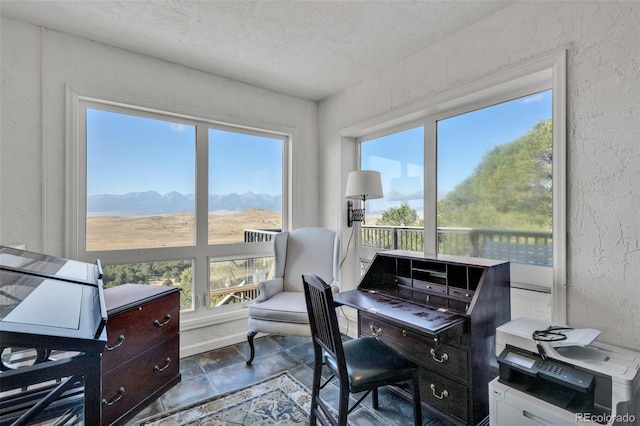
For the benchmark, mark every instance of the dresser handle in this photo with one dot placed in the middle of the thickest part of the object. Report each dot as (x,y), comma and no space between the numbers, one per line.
(119,342)
(375,331)
(167,362)
(443,358)
(157,323)
(114,400)
(442,395)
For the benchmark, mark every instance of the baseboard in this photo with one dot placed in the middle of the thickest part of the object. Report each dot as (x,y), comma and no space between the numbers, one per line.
(210,345)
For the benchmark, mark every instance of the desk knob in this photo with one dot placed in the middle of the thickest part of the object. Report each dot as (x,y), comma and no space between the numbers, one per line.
(441,359)
(376,331)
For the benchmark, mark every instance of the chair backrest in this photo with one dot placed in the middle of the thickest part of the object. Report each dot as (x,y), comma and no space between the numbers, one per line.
(323,320)
(311,249)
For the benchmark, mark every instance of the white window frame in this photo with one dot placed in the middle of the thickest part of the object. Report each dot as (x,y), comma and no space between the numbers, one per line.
(77,100)
(544,74)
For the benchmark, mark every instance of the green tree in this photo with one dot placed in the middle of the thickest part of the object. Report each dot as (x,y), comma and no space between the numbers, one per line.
(400,216)
(186,285)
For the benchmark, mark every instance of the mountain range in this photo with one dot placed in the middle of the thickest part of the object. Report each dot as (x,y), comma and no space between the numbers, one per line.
(152,203)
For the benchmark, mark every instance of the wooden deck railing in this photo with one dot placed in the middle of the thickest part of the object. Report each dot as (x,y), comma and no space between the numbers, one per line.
(241,293)
(516,246)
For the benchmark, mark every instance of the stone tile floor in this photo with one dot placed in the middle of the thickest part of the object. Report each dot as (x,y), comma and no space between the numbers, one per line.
(210,373)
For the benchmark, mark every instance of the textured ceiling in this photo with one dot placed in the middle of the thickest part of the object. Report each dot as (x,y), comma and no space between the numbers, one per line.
(310,49)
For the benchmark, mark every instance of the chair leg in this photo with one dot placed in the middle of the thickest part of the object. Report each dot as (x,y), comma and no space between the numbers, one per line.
(417,404)
(374,398)
(250,336)
(315,388)
(343,407)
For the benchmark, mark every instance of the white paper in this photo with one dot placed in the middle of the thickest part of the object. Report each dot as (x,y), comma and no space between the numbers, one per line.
(577,337)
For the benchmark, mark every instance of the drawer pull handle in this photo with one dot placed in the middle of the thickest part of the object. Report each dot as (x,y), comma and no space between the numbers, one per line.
(119,342)
(443,358)
(114,400)
(404,333)
(167,362)
(442,395)
(157,323)
(375,331)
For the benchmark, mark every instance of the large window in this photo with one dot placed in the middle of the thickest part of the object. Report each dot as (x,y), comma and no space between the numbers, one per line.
(477,172)
(495,181)
(493,184)
(175,200)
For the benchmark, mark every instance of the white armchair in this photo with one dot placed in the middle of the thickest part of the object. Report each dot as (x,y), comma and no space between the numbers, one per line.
(280,307)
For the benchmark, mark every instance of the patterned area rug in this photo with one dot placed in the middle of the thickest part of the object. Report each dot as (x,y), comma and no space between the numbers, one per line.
(277,400)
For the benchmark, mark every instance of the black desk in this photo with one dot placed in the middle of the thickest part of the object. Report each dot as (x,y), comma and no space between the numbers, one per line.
(442,312)
(50,304)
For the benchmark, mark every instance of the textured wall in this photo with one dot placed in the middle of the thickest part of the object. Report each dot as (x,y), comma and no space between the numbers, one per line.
(20,148)
(602,40)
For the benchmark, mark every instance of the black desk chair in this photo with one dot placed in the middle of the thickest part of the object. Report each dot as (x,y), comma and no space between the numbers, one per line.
(361,365)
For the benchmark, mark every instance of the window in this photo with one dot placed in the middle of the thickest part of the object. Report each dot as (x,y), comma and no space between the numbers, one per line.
(163,198)
(140,182)
(495,181)
(245,185)
(397,219)
(494,176)
(494,184)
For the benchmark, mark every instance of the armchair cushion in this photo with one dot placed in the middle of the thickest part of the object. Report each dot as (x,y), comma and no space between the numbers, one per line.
(285,306)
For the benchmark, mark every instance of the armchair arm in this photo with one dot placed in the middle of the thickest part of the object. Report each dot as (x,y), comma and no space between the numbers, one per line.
(335,287)
(268,288)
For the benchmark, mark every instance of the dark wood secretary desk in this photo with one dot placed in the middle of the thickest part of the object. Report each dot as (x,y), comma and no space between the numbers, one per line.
(442,312)
(51,304)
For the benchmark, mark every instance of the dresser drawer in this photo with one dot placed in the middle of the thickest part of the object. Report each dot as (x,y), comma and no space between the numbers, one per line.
(444,394)
(444,359)
(135,330)
(126,386)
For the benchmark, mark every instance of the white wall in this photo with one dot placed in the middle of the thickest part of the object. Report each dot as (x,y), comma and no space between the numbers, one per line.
(35,67)
(603,122)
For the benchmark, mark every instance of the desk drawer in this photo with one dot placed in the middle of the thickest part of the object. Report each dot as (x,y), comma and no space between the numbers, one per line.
(139,378)
(444,394)
(133,331)
(444,359)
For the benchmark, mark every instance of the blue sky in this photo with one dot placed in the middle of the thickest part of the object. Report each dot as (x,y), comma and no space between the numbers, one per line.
(134,154)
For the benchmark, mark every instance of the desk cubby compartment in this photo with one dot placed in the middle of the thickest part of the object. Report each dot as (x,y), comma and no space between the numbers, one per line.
(429,272)
(464,277)
(404,267)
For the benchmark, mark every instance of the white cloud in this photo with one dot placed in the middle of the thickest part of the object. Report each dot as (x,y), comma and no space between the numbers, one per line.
(534,98)
(177,127)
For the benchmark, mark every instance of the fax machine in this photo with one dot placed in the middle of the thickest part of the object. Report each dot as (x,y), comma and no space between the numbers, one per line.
(554,375)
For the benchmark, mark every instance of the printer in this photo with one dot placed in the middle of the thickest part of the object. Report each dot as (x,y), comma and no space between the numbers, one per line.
(552,374)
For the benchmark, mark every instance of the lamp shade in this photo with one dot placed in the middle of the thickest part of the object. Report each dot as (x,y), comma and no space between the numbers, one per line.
(364,185)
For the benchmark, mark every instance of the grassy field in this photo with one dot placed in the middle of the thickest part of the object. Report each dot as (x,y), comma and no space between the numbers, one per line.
(127,232)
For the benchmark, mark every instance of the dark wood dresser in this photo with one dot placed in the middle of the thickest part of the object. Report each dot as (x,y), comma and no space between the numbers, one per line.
(441,312)
(141,359)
